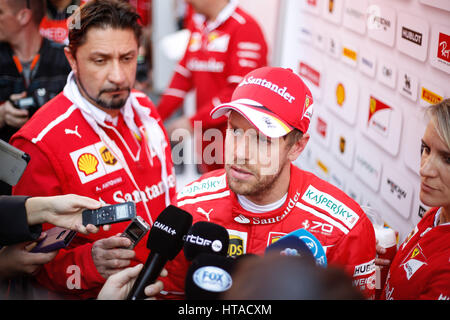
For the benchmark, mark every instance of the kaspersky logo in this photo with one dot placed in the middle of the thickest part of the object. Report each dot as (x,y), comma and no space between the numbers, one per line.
(260,220)
(331,205)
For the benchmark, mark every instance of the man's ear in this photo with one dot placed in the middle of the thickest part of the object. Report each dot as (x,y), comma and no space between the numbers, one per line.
(298,147)
(71,58)
(24,16)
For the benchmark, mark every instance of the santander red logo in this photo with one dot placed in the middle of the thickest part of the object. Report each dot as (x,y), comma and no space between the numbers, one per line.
(444,47)
(310,73)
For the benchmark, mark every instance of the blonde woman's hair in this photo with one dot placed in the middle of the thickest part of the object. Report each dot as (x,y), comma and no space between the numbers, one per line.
(440,113)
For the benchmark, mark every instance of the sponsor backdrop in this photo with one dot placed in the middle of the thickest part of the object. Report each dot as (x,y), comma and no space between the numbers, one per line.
(372,67)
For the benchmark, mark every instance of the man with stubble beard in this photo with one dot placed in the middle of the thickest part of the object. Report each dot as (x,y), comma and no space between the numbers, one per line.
(260,195)
(101,139)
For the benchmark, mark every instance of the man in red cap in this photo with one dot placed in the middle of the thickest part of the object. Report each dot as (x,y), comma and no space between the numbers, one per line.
(260,195)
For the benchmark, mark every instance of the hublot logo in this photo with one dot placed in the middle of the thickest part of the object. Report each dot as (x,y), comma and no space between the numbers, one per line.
(412,36)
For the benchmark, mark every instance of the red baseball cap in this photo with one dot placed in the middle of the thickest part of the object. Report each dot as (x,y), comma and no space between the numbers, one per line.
(275,100)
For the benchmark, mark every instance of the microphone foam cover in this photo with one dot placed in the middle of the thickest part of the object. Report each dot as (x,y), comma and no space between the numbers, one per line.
(312,243)
(166,235)
(290,246)
(206,237)
(208,277)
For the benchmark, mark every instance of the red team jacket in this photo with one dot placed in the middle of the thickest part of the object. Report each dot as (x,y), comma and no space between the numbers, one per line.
(421,268)
(329,214)
(68,156)
(217,57)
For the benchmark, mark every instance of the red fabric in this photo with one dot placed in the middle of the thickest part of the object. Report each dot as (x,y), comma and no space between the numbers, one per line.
(53,171)
(421,269)
(347,235)
(213,65)
(55,30)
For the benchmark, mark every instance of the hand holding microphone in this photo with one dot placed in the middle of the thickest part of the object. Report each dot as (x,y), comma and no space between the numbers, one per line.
(165,241)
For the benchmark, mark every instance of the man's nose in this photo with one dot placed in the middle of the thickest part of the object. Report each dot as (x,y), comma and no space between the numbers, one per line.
(116,73)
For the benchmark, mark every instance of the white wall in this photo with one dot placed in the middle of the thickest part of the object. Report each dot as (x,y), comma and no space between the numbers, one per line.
(353,57)
(266,14)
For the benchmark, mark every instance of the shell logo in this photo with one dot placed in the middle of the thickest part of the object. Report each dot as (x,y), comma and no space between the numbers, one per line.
(340,94)
(87,163)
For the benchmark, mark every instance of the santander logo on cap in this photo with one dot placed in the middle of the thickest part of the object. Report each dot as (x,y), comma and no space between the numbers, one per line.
(269,85)
(273,99)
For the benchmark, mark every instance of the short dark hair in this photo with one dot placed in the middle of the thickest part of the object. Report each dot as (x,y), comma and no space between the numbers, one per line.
(293,136)
(116,14)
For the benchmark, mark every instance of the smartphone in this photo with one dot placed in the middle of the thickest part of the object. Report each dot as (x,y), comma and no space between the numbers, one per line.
(57,238)
(12,163)
(110,214)
(135,231)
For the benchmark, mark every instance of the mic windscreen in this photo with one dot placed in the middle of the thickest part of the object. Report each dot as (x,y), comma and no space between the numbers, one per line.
(312,243)
(209,277)
(167,233)
(206,237)
(290,246)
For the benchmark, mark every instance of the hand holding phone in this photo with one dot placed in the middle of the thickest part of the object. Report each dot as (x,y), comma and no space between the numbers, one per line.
(57,238)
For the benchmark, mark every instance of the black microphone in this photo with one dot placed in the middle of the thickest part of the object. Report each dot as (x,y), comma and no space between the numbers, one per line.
(206,237)
(209,277)
(165,241)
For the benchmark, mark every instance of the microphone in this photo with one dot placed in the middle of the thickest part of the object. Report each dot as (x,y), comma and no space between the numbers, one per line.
(312,243)
(208,277)
(165,241)
(206,237)
(290,246)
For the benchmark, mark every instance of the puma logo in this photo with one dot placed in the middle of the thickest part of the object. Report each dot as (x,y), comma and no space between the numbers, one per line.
(75,132)
(200,210)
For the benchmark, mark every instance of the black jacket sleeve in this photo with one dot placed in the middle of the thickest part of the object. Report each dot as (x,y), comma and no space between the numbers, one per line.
(13,221)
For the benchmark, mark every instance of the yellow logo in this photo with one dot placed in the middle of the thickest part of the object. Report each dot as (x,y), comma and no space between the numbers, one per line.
(430,96)
(342,144)
(236,246)
(322,166)
(212,36)
(415,252)
(349,53)
(373,105)
(107,156)
(340,94)
(87,163)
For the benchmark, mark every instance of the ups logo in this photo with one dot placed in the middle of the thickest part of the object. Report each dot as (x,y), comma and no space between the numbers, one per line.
(236,246)
(107,156)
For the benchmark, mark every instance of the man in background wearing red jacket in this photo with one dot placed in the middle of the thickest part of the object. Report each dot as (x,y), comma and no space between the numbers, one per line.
(225,44)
